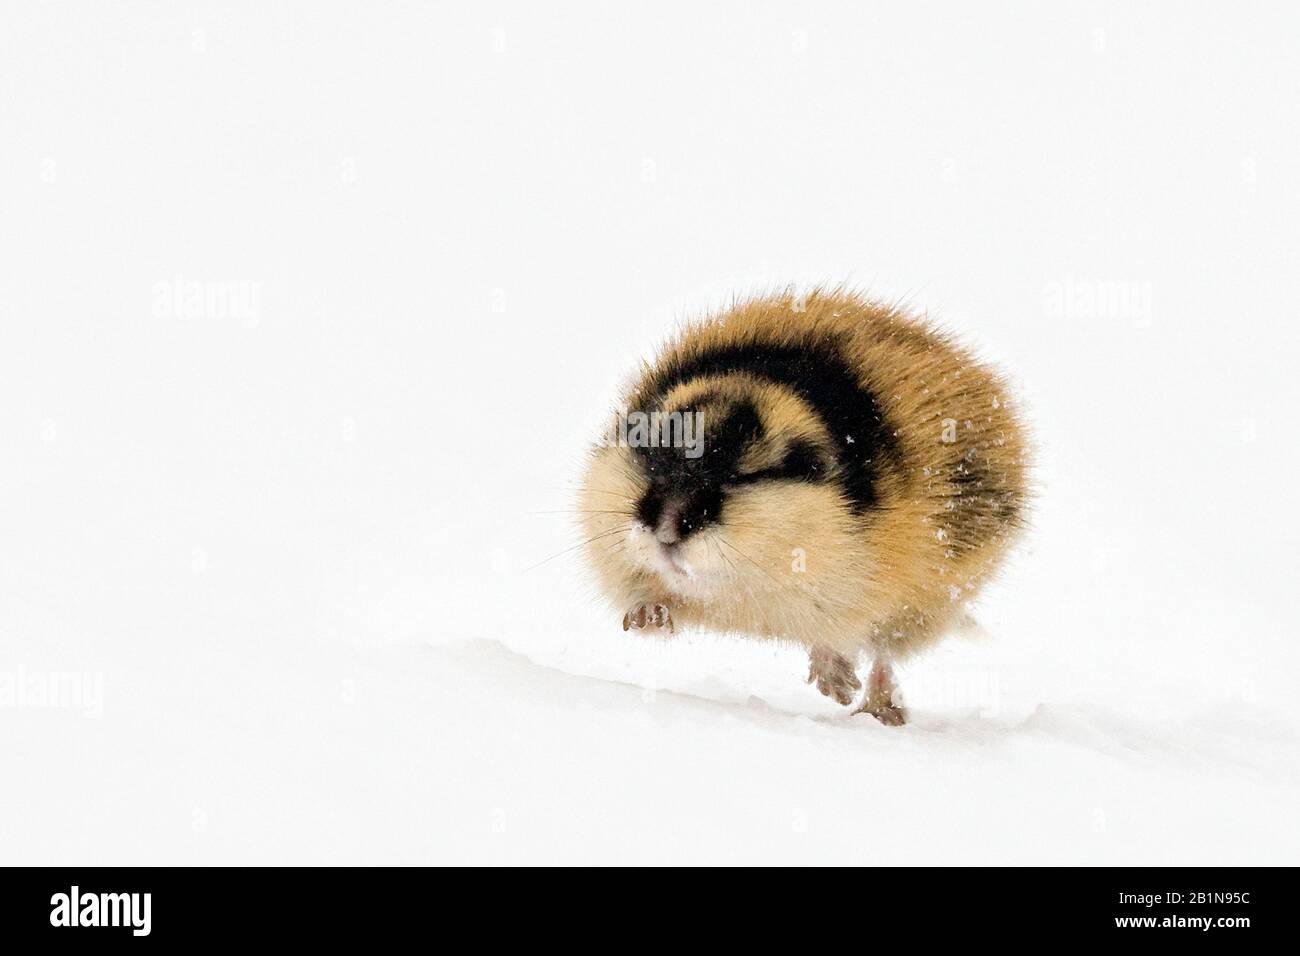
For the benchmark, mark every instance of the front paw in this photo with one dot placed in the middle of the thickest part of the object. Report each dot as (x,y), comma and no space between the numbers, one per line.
(833,674)
(648,615)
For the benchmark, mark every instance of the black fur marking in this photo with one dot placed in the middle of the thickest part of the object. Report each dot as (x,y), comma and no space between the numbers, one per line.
(696,483)
(817,373)
(700,505)
(801,463)
(725,443)
(980,507)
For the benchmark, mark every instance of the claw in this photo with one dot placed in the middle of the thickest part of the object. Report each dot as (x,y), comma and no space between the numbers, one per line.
(648,615)
(889,715)
(880,698)
(833,674)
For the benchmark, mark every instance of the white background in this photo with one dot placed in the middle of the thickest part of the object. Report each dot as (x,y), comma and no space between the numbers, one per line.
(289,547)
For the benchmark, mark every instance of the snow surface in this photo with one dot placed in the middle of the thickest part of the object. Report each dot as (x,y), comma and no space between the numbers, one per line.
(295,551)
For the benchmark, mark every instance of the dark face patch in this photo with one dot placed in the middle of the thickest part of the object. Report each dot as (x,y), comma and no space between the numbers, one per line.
(696,489)
(693,486)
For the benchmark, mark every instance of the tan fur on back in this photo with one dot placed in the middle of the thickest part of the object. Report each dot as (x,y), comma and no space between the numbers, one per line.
(793,562)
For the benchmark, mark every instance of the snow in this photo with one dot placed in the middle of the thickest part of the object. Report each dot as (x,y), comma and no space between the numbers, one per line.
(307,565)
(469,751)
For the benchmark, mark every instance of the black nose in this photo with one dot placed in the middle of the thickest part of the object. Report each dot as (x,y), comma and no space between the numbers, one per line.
(673,515)
(651,507)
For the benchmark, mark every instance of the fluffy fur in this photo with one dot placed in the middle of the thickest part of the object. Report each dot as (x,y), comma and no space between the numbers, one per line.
(862,477)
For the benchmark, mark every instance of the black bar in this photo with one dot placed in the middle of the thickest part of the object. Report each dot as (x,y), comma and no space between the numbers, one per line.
(1179,906)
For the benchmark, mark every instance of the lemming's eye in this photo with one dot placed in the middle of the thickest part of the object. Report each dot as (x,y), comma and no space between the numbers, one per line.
(735,479)
(801,462)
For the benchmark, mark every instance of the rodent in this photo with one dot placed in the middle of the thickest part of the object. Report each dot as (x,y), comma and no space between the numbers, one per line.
(854,477)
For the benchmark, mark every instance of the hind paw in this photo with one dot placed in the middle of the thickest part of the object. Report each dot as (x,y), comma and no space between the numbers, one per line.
(891,715)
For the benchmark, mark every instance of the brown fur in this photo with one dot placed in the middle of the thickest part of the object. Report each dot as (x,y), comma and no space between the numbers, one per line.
(790,560)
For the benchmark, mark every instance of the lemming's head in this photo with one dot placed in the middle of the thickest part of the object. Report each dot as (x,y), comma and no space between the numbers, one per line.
(722,477)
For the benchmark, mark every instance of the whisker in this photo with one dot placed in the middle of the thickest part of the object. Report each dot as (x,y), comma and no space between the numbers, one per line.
(749,559)
(601,491)
(580,544)
(723,555)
